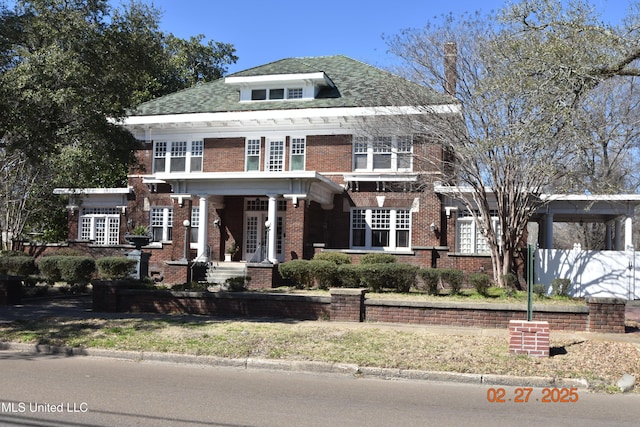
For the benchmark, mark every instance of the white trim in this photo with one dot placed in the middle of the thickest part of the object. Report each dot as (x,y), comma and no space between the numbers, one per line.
(292,114)
(317,78)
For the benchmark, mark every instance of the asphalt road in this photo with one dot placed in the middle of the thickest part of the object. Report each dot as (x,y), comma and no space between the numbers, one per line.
(89,391)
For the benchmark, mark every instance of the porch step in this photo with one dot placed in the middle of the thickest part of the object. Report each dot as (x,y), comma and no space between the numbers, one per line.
(219,272)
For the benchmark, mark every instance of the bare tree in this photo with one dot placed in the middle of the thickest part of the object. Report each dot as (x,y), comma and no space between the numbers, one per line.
(521,78)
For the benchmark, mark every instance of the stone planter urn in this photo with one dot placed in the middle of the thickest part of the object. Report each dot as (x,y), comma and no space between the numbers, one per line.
(137,240)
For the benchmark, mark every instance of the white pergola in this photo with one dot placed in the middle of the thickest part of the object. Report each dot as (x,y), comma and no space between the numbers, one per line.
(616,211)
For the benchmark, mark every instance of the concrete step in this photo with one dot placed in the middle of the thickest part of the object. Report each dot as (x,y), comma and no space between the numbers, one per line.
(220,272)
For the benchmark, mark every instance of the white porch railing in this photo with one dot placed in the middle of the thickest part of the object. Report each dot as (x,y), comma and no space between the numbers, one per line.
(609,274)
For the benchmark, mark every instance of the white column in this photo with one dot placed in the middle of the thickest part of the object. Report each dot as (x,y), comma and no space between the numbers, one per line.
(272,223)
(617,235)
(628,233)
(548,231)
(203,235)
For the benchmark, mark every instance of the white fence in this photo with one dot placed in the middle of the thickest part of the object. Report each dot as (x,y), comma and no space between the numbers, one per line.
(592,273)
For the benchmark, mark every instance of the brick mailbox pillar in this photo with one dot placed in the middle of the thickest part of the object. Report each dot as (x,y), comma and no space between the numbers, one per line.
(530,338)
(606,315)
(347,305)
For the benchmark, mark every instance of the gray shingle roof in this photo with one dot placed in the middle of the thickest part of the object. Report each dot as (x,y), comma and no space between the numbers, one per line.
(356,85)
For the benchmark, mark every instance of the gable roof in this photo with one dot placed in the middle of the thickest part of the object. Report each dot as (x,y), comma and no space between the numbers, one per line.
(356,84)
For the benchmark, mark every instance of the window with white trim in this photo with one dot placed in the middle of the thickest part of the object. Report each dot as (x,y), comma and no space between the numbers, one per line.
(383,153)
(275,155)
(276,94)
(161,224)
(469,237)
(386,229)
(252,155)
(298,150)
(178,156)
(100,225)
(195,223)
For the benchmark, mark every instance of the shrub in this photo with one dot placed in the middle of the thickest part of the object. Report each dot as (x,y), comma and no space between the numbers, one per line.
(377,258)
(337,258)
(298,272)
(116,267)
(48,267)
(539,289)
(453,278)
(561,287)
(17,265)
(324,273)
(71,269)
(400,277)
(480,282)
(237,283)
(431,277)
(510,281)
(75,269)
(349,275)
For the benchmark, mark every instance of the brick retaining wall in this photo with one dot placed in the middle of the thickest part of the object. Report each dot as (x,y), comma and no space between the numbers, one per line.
(598,315)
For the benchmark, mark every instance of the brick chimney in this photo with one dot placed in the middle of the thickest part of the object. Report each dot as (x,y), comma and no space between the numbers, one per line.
(450,72)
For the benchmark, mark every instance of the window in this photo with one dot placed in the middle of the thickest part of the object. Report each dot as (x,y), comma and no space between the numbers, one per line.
(100,225)
(298,148)
(252,158)
(178,156)
(162,224)
(294,93)
(195,223)
(383,153)
(275,156)
(276,94)
(469,236)
(380,228)
(197,150)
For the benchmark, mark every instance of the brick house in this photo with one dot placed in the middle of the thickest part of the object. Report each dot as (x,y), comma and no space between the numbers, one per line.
(279,161)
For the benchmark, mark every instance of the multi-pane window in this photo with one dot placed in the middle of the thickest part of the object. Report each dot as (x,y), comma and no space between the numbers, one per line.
(197,150)
(380,228)
(470,239)
(195,223)
(178,156)
(275,156)
(276,94)
(162,224)
(383,153)
(298,148)
(100,225)
(294,93)
(252,158)
(159,156)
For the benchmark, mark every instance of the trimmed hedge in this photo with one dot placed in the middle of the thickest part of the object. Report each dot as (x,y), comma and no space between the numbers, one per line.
(337,258)
(116,267)
(399,277)
(378,258)
(349,275)
(17,265)
(298,272)
(453,278)
(71,269)
(480,281)
(324,273)
(431,278)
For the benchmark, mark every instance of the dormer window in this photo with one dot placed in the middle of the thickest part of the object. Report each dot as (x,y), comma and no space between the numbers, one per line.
(275,94)
(274,87)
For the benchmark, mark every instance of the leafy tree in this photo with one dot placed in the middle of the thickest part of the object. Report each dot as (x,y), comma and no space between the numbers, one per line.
(69,70)
(524,79)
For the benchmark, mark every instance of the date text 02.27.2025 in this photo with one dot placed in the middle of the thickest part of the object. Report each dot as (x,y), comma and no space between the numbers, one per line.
(524,395)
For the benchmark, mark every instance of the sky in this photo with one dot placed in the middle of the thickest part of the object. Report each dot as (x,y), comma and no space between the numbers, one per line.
(263,31)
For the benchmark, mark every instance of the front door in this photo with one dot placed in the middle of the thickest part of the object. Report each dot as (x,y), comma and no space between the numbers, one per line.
(255,232)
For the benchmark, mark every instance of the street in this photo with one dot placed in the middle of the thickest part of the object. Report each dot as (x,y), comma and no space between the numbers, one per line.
(59,390)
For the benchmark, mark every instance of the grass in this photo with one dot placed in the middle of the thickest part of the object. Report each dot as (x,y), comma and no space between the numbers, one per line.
(372,345)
